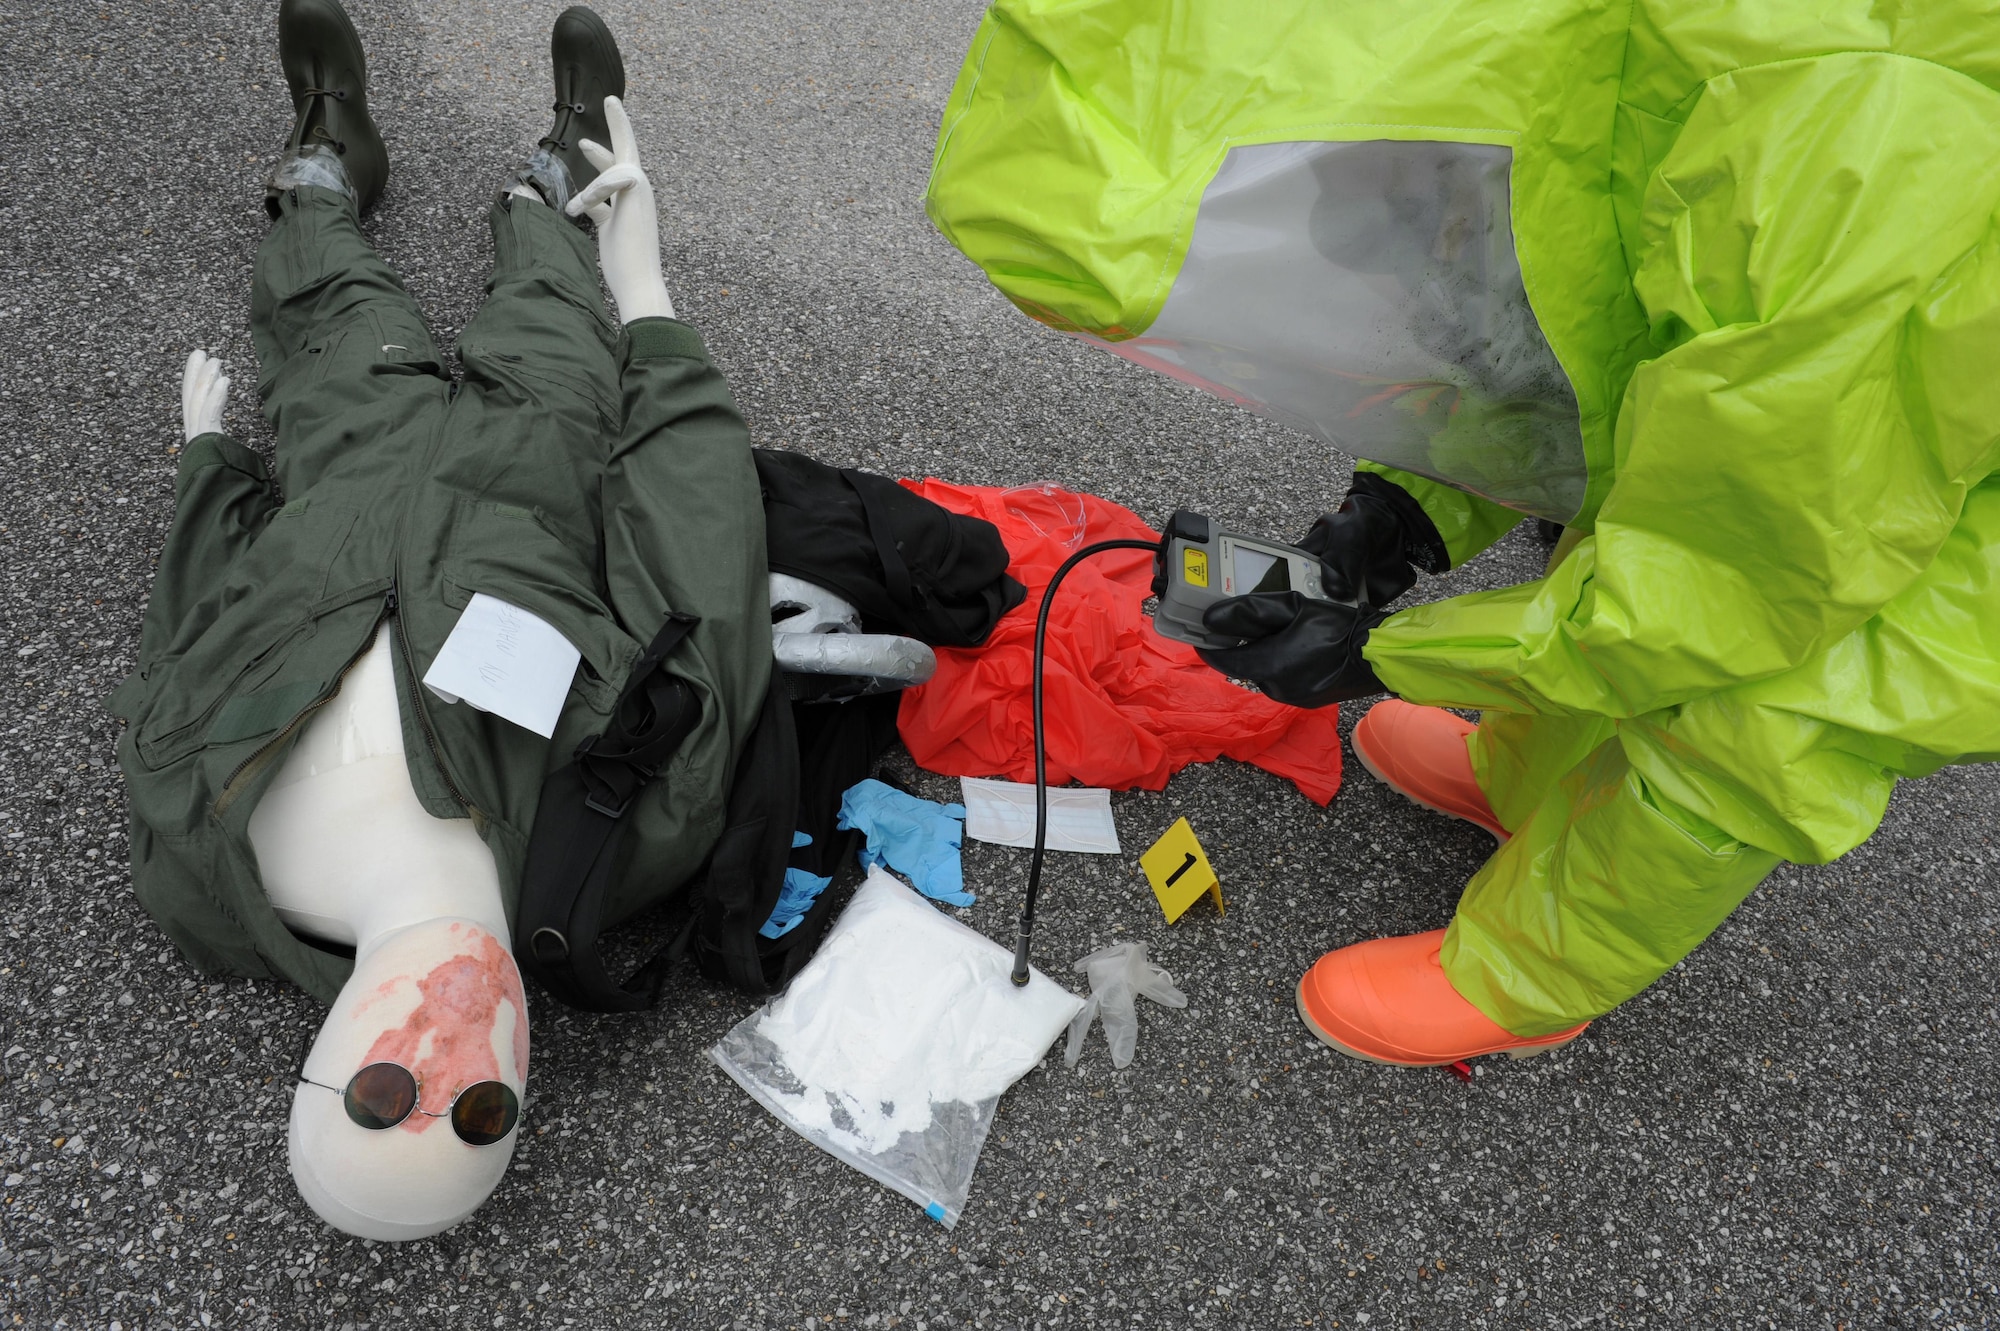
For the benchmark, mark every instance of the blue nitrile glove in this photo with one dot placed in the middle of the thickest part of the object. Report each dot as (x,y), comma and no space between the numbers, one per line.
(919,839)
(796,897)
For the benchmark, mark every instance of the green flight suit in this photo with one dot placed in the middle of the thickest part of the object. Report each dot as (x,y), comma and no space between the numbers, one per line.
(1716,285)
(598,478)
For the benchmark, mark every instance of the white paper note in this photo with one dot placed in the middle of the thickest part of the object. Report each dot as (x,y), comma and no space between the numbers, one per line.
(1003,813)
(503,660)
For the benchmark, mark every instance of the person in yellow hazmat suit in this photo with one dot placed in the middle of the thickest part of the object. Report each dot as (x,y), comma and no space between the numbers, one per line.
(1715,286)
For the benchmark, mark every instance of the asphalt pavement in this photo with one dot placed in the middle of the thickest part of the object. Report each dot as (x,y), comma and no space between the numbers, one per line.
(1796,1128)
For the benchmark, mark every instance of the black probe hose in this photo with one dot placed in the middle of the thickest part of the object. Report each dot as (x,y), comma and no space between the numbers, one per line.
(1026,933)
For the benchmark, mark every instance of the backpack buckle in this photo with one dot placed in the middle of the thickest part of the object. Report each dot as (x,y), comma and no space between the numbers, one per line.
(610,781)
(617,810)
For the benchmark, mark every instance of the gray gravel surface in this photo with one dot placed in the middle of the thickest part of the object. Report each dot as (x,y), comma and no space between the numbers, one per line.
(1795,1128)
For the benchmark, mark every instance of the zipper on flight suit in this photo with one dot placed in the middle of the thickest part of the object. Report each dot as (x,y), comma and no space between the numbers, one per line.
(391,609)
(417,705)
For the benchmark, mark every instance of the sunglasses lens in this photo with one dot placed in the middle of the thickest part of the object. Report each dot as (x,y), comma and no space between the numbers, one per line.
(381,1095)
(485,1113)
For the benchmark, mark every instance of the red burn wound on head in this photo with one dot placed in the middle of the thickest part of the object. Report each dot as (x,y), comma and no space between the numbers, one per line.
(458,1007)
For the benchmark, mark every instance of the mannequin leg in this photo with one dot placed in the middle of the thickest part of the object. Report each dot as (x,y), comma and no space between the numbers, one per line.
(541,405)
(347,364)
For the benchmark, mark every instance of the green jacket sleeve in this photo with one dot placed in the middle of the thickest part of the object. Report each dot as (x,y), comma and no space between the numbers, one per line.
(684,520)
(223,497)
(1467,523)
(1820,269)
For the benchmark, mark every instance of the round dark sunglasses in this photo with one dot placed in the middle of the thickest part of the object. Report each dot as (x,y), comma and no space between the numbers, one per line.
(382,1095)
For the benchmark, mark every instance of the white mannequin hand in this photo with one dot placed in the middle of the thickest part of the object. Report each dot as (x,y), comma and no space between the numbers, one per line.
(628,241)
(204,392)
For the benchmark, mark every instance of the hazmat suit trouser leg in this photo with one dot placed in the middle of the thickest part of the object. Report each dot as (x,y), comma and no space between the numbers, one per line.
(1518,760)
(1602,887)
(1632,840)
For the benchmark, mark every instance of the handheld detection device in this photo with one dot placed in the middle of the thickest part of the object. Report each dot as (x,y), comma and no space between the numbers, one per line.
(1195,564)
(1199,564)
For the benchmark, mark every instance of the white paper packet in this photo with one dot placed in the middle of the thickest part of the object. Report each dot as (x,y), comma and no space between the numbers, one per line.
(1003,813)
(504,660)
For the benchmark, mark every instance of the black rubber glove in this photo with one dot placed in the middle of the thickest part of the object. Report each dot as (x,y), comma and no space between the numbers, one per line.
(1300,651)
(1373,544)
(1308,652)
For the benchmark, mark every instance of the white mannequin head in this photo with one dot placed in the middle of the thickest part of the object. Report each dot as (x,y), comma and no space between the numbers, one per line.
(349,855)
(443,999)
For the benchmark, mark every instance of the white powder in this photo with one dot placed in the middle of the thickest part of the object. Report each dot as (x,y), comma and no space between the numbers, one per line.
(904,1011)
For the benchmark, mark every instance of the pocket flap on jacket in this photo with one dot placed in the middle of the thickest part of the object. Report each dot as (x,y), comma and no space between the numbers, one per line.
(252,714)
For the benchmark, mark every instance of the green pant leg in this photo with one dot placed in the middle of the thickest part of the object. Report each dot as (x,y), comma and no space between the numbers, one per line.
(543,324)
(345,358)
(1518,759)
(1600,891)
(535,424)
(1637,854)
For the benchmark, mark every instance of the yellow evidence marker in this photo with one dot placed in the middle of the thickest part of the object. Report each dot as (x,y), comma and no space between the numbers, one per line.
(1177,867)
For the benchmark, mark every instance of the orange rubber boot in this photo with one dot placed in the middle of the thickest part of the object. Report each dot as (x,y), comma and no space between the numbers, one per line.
(1388,1001)
(1419,752)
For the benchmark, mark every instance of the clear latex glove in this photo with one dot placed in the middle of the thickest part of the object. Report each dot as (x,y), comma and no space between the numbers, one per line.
(204,393)
(1118,974)
(628,239)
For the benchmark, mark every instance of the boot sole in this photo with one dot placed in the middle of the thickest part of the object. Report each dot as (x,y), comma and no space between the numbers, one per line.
(1523,1051)
(1497,833)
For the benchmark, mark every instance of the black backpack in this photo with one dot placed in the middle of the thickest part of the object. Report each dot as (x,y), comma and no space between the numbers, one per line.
(912,568)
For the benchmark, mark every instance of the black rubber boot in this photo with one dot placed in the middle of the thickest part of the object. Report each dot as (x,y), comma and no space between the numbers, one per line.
(328,75)
(588,69)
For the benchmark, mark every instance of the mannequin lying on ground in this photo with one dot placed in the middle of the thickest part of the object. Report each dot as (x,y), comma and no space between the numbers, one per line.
(297,789)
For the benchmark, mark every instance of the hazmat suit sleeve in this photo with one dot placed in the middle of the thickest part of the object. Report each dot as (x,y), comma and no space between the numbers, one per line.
(1467,523)
(684,519)
(1818,262)
(223,497)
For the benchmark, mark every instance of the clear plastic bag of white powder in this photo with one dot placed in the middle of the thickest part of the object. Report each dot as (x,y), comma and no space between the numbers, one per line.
(892,1047)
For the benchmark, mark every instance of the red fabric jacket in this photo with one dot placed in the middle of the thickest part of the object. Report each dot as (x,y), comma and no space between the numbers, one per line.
(1125,707)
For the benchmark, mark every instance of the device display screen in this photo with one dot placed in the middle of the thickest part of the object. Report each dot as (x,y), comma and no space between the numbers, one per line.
(1258,572)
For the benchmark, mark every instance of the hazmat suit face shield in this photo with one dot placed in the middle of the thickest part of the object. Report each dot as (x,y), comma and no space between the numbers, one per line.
(442,1001)
(1368,293)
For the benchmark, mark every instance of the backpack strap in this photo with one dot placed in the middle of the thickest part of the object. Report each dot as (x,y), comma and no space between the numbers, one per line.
(794,768)
(746,869)
(578,825)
